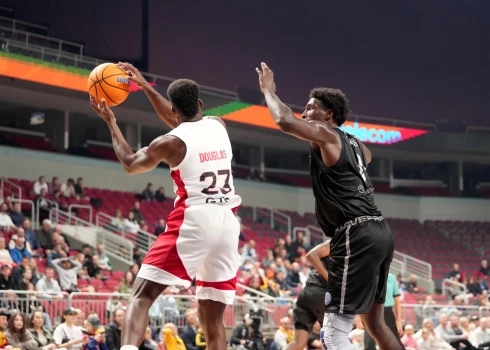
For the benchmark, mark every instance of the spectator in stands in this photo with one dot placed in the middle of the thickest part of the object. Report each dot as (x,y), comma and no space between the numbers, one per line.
(118,219)
(16,215)
(67,272)
(189,332)
(93,268)
(30,236)
(44,237)
(148,342)
(79,317)
(114,303)
(134,269)
(411,285)
(87,251)
(241,334)
(242,228)
(41,334)
(424,342)
(56,254)
(4,253)
(456,274)
(4,317)
(285,334)
(17,334)
(55,186)
(126,285)
(36,275)
(8,201)
(80,189)
(131,224)
(6,280)
(21,284)
(5,220)
(19,251)
(48,286)
(473,287)
(97,339)
(482,333)
(104,262)
(39,185)
(484,269)
(314,341)
(171,339)
(19,233)
(160,228)
(293,280)
(148,194)
(42,202)
(138,215)
(113,331)
(435,339)
(60,240)
(249,252)
(304,273)
(300,241)
(408,340)
(453,335)
(160,194)
(269,258)
(68,190)
(67,335)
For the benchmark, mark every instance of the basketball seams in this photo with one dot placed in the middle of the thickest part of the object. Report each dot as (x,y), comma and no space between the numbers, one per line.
(98,80)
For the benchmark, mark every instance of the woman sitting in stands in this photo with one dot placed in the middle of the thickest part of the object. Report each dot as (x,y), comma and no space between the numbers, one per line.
(41,335)
(126,285)
(118,219)
(67,335)
(17,334)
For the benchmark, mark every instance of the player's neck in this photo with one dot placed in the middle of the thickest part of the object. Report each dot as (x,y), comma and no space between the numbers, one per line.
(196,118)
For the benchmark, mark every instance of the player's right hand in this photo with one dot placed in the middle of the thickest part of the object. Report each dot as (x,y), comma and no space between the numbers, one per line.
(133,73)
(102,110)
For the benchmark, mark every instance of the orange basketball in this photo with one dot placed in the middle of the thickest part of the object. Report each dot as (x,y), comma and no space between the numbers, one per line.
(110,82)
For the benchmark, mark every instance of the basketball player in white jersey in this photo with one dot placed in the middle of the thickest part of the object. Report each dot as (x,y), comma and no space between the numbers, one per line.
(201,238)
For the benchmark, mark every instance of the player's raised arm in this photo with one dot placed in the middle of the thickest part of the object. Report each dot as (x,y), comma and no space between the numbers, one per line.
(315,255)
(162,106)
(283,115)
(144,160)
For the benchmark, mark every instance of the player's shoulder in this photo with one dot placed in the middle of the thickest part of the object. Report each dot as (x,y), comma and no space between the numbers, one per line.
(218,119)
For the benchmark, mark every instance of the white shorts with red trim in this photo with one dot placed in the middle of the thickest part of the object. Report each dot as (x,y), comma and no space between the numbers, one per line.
(200,242)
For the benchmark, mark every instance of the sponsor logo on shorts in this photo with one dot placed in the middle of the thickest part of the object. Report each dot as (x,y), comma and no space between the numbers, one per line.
(328,298)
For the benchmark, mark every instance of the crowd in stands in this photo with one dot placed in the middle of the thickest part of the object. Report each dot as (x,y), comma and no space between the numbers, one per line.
(43,264)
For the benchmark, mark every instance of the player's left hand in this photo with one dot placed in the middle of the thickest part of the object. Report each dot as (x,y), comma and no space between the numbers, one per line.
(266,79)
(102,109)
(399,328)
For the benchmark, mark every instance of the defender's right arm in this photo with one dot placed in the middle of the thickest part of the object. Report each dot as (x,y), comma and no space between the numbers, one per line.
(162,106)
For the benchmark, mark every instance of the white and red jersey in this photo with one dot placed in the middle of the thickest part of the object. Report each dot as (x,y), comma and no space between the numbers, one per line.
(204,175)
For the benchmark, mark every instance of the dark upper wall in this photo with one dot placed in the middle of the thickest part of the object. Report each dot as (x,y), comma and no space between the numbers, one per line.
(416,60)
(413,59)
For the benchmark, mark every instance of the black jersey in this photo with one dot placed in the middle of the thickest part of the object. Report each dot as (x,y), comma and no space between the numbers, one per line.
(343,191)
(315,278)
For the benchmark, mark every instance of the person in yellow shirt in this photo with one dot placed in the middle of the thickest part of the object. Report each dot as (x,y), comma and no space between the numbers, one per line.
(285,334)
(200,339)
(171,339)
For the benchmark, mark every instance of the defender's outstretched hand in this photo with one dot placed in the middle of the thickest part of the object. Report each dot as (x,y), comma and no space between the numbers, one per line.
(133,73)
(266,79)
(102,110)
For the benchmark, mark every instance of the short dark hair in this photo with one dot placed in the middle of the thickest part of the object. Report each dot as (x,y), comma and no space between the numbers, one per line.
(335,100)
(184,96)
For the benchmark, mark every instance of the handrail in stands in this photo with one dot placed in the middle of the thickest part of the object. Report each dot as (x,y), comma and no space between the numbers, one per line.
(59,42)
(117,247)
(278,216)
(13,188)
(449,285)
(142,239)
(15,21)
(81,206)
(23,132)
(38,207)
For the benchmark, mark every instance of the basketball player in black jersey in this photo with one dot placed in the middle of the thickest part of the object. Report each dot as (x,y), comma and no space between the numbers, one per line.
(362,247)
(309,306)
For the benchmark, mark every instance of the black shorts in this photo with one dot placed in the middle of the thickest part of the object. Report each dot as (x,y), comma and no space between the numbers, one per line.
(359,262)
(309,307)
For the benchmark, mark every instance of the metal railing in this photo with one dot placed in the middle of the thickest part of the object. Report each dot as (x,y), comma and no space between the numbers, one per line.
(40,40)
(397,267)
(16,24)
(89,63)
(141,239)
(415,266)
(451,287)
(278,217)
(117,247)
(8,188)
(81,206)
